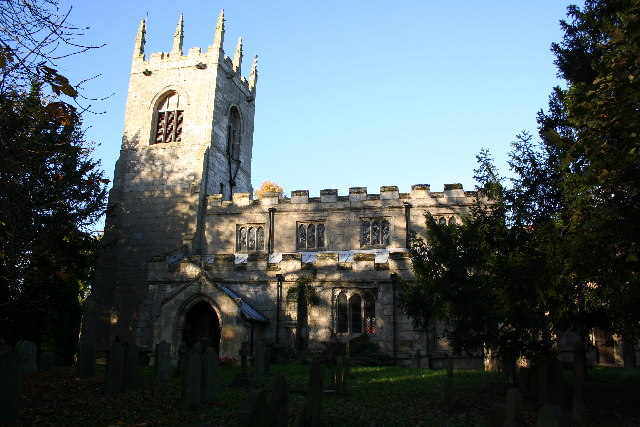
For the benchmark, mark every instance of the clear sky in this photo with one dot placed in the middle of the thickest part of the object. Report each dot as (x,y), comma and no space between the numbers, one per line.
(350,93)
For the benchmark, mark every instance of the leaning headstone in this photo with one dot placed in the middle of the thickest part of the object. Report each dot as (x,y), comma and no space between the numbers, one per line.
(551,416)
(255,412)
(47,361)
(162,361)
(11,380)
(114,375)
(131,365)
(279,403)
(86,359)
(28,355)
(314,393)
(243,379)
(191,379)
(514,409)
(209,374)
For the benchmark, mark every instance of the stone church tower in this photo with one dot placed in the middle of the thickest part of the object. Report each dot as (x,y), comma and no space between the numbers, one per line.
(188,133)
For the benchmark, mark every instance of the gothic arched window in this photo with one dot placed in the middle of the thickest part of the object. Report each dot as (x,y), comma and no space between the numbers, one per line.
(375,232)
(233,134)
(342,314)
(169,117)
(370,314)
(355,303)
(249,238)
(310,235)
(442,221)
(453,221)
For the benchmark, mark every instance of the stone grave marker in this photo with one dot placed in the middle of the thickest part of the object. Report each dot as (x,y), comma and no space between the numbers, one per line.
(28,355)
(543,379)
(551,416)
(243,379)
(114,374)
(191,378)
(11,380)
(209,374)
(303,417)
(279,403)
(418,357)
(514,409)
(86,359)
(162,362)
(314,393)
(47,361)
(339,375)
(131,365)
(524,382)
(556,382)
(256,411)
(449,391)
(182,352)
(205,343)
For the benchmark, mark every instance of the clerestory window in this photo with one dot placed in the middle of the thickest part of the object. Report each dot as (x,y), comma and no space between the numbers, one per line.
(374,232)
(169,118)
(310,235)
(249,238)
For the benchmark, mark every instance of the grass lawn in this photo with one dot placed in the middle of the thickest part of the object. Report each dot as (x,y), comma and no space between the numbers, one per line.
(375,397)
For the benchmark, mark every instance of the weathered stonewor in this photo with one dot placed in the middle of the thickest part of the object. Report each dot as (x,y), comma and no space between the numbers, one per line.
(47,361)
(191,378)
(243,379)
(131,365)
(279,403)
(86,359)
(162,361)
(11,383)
(255,412)
(551,416)
(209,374)
(114,374)
(28,355)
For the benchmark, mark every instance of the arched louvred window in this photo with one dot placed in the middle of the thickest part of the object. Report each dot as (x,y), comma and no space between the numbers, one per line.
(251,243)
(321,235)
(242,239)
(169,117)
(355,308)
(453,221)
(370,314)
(260,239)
(342,314)
(442,221)
(233,134)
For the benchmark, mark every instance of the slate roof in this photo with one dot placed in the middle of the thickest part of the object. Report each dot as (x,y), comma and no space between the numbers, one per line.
(248,312)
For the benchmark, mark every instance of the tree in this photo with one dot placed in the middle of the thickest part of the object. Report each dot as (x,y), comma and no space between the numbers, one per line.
(50,193)
(305,295)
(268,187)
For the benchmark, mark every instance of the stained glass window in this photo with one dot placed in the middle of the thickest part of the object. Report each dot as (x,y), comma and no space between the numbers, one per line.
(310,235)
(260,239)
(355,303)
(321,235)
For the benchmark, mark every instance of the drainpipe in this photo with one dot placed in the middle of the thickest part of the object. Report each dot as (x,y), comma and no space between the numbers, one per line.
(272,217)
(407,223)
(279,278)
(394,280)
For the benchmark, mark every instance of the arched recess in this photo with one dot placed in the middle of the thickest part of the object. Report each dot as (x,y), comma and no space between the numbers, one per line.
(199,318)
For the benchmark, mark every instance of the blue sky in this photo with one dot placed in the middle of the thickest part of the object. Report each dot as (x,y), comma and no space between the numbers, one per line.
(350,93)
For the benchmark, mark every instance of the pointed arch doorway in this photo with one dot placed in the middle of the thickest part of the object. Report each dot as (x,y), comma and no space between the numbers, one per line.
(201,321)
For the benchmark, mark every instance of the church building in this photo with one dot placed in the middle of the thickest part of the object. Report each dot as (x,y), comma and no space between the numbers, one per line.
(189,254)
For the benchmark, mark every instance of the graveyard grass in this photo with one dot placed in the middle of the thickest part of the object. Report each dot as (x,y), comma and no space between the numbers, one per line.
(375,396)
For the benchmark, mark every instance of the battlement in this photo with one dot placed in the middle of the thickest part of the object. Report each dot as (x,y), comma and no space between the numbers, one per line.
(453,194)
(196,59)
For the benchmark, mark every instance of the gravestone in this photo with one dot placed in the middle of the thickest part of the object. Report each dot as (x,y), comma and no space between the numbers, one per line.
(303,417)
(556,382)
(162,363)
(449,391)
(279,403)
(243,379)
(28,355)
(514,409)
(256,411)
(543,379)
(314,393)
(11,383)
(114,374)
(131,365)
(498,414)
(533,382)
(524,381)
(418,357)
(191,378)
(47,361)
(339,375)
(209,374)
(551,416)
(205,343)
(182,352)
(86,359)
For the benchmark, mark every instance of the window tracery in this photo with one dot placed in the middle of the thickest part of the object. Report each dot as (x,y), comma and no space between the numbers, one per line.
(249,238)
(169,119)
(356,313)
(310,235)
(375,232)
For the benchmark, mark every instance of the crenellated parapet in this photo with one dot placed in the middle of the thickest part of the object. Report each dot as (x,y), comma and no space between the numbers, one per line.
(213,58)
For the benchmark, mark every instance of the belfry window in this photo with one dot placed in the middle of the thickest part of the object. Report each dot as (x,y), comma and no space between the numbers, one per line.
(233,134)
(310,235)
(375,232)
(249,238)
(169,118)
